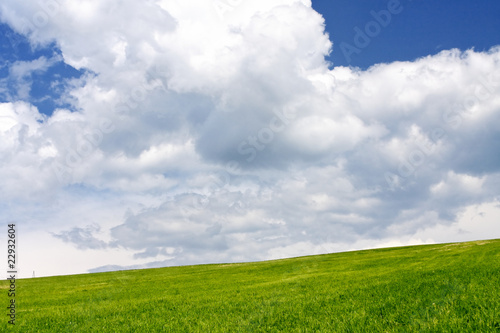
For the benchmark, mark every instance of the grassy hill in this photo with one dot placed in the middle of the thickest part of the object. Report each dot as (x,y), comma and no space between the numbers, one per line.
(431,288)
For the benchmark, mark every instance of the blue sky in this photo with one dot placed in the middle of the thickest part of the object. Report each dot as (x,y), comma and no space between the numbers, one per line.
(46,83)
(158,133)
(422,28)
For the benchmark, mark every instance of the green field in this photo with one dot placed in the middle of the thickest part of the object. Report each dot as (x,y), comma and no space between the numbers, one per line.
(431,288)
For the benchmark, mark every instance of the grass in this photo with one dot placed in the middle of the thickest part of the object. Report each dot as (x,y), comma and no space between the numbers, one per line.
(430,288)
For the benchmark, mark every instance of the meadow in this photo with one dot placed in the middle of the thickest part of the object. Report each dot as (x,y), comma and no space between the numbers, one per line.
(430,288)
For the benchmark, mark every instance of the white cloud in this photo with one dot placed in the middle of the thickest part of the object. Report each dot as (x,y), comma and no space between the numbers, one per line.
(207,133)
(456,183)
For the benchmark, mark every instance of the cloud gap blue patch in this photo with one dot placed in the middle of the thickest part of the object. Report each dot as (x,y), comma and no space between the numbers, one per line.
(368,32)
(45,87)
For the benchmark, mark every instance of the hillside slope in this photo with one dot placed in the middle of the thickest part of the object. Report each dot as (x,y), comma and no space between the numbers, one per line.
(438,288)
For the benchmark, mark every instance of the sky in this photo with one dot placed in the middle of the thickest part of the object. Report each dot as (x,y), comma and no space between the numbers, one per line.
(139,134)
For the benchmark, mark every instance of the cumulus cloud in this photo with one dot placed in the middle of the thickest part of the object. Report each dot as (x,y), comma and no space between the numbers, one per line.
(226,117)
